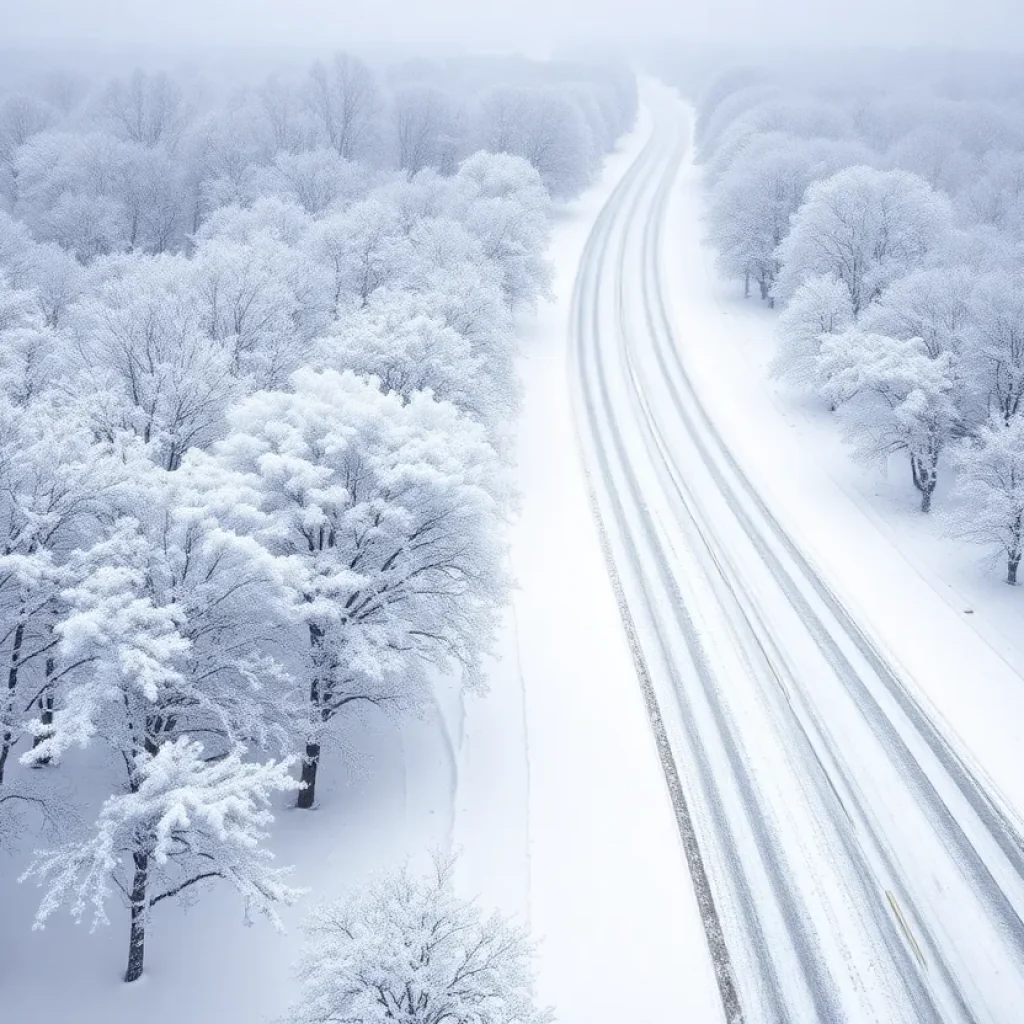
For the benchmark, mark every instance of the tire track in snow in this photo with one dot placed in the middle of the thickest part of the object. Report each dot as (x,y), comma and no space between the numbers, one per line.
(594,251)
(994,820)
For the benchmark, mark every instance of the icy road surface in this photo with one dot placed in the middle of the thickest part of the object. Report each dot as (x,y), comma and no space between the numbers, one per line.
(849,864)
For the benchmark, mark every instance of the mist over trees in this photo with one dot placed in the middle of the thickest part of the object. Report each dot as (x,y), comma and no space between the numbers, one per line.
(141,161)
(257,389)
(885,218)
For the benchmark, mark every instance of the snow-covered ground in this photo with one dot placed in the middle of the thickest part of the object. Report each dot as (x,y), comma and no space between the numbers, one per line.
(203,964)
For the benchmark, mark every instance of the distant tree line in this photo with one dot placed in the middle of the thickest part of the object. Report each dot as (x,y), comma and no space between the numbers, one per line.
(141,162)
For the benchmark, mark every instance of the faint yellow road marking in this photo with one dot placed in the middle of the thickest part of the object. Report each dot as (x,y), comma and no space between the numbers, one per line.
(905,928)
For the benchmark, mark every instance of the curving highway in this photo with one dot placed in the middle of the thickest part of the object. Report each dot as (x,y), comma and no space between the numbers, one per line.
(848,864)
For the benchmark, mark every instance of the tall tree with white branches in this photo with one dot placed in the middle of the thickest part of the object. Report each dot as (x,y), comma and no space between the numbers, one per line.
(384,517)
(410,949)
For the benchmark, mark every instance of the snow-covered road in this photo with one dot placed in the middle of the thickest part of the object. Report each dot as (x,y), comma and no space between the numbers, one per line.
(849,864)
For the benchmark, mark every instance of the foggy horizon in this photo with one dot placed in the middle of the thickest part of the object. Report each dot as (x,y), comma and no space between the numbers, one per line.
(534,28)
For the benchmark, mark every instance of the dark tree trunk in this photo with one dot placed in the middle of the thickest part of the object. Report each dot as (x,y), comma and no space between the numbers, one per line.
(764,288)
(1015,549)
(7,739)
(45,710)
(310,765)
(137,940)
(311,759)
(925,477)
(746,285)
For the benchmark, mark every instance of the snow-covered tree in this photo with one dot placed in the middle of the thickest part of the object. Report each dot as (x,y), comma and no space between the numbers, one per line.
(459,288)
(169,624)
(978,249)
(316,180)
(94,194)
(21,117)
(820,307)
(554,138)
(408,351)
(865,228)
(52,485)
(499,116)
(935,155)
(409,949)
(282,220)
(993,356)
(185,821)
(345,99)
(996,195)
(147,185)
(501,200)
(146,109)
(894,397)
(384,516)
(355,252)
(56,279)
(17,247)
(218,153)
(990,488)
(424,119)
(292,125)
(28,347)
(755,199)
(166,637)
(144,361)
(544,126)
(804,117)
(932,304)
(248,299)
(726,95)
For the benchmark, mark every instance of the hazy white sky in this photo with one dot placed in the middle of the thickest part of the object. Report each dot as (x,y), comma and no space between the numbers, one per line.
(512,23)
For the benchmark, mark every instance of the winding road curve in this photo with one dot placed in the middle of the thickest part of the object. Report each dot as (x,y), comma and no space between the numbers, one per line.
(848,864)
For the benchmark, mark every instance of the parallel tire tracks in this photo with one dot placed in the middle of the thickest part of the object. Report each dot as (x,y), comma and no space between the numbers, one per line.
(746,887)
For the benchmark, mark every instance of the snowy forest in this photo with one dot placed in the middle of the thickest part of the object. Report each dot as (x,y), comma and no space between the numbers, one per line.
(257,388)
(883,214)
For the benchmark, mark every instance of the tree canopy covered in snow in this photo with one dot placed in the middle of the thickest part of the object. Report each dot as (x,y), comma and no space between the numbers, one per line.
(886,219)
(410,949)
(257,390)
